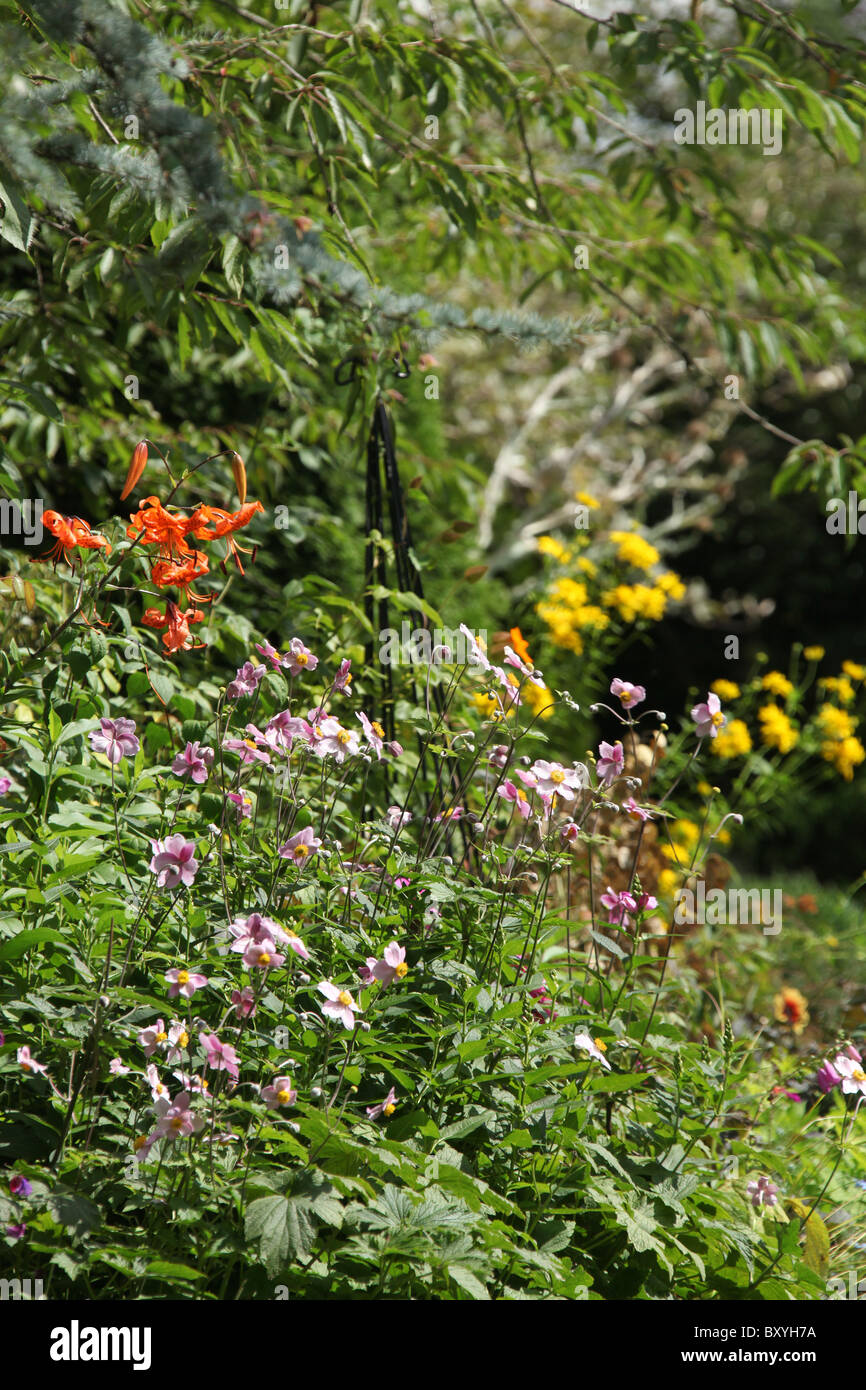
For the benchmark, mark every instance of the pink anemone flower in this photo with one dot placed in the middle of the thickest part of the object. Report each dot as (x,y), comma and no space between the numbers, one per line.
(173,862)
(338,1004)
(115,738)
(279,1093)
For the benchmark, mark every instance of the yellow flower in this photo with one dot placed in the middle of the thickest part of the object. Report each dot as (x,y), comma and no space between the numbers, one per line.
(671,584)
(777,731)
(635,601)
(687,831)
(778,684)
(549,545)
(857,673)
(845,755)
(486,705)
(670,852)
(590,615)
(633,550)
(560,621)
(835,722)
(539,699)
(589,569)
(667,882)
(570,591)
(792,1008)
(704,788)
(734,740)
(726,690)
(587,499)
(813,653)
(838,685)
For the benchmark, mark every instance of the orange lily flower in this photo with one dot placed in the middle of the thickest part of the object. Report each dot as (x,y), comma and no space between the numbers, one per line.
(177,638)
(167,574)
(156,526)
(224,525)
(70,532)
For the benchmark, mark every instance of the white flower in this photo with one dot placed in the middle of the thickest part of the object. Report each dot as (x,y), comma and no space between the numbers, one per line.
(586,1044)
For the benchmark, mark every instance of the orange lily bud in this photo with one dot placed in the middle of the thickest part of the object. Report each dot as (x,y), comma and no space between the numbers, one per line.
(239,473)
(136,468)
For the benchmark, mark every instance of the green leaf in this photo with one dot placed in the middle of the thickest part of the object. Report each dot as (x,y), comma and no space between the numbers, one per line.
(16,220)
(22,942)
(74,1211)
(466,1280)
(165,1269)
(617,1081)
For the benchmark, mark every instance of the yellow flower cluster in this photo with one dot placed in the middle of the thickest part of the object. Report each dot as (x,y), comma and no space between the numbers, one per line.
(839,686)
(488,706)
(568,613)
(549,545)
(634,601)
(539,699)
(567,608)
(777,684)
(840,748)
(845,755)
(734,740)
(836,723)
(726,690)
(777,731)
(813,653)
(633,550)
(666,882)
(671,584)
(850,668)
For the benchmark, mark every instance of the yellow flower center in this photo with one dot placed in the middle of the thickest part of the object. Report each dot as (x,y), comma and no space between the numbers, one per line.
(402,970)
(183,1040)
(858,1074)
(602,1047)
(521,795)
(250,742)
(177,1122)
(344,998)
(302,850)
(302,658)
(264,958)
(284,1096)
(140,1141)
(718,719)
(159,1088)
(183,977)
(162,1037)
(389,1109)
(557,776)
(293,935)
(377,729)
(343,736)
